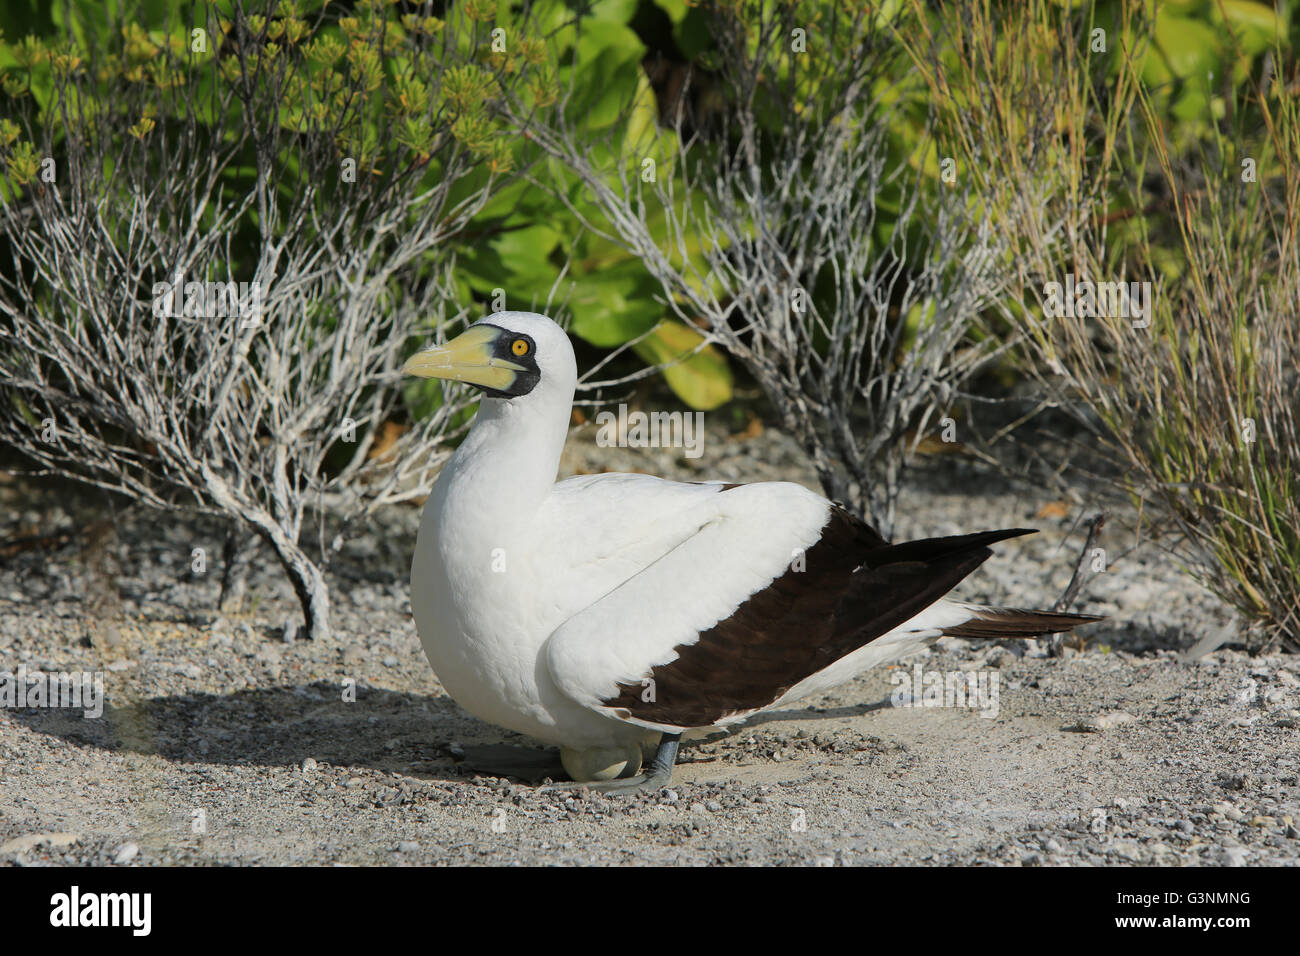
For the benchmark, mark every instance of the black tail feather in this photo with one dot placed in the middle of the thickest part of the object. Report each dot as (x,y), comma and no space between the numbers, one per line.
(996,623)
(931,549)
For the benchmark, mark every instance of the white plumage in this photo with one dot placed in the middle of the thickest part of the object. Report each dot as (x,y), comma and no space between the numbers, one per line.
(557,609)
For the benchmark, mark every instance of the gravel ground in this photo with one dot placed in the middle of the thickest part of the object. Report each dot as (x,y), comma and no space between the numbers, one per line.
(220,742)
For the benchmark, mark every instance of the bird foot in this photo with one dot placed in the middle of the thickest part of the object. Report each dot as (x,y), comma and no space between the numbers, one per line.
(656,776)
(641,783)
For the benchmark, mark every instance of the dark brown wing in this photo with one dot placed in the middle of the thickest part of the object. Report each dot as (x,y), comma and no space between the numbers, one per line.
(853,589)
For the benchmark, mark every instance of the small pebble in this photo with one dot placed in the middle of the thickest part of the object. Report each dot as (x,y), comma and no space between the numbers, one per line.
(1126,849)
(1102,722)
(1229,811)
(126,853)
(1233,856)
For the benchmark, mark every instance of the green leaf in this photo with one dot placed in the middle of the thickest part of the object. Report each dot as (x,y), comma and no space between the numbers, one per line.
(1188,49)
(703,381)
(692,33)
(614,11)
(606,81)
(675,9)
(615,305)
(1255,25)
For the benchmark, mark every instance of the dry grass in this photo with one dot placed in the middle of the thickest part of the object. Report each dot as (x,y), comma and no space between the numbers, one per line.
(1200,405)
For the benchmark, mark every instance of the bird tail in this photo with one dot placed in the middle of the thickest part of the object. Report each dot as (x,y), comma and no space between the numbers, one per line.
(994,623)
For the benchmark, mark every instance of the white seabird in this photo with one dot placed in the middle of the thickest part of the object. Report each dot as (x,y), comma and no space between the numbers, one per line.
(610,613)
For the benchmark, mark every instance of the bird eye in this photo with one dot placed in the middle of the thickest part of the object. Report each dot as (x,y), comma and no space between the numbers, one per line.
(519,347)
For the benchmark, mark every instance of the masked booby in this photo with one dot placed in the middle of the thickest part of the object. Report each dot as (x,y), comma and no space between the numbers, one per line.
(608,614)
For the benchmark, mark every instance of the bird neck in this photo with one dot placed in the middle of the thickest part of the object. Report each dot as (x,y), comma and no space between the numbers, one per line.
(512,454)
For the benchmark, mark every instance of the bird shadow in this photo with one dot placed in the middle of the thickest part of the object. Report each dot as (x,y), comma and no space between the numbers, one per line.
(384,730)
(278,726)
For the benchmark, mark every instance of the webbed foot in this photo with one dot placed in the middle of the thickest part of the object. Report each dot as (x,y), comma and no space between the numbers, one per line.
(657,775)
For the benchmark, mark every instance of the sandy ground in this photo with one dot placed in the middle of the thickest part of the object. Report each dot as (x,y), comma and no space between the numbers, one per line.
(222,743)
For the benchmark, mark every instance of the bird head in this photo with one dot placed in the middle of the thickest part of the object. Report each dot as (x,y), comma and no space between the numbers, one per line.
(506,355)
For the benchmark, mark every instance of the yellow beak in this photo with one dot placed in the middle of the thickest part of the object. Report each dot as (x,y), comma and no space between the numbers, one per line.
(469,357)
